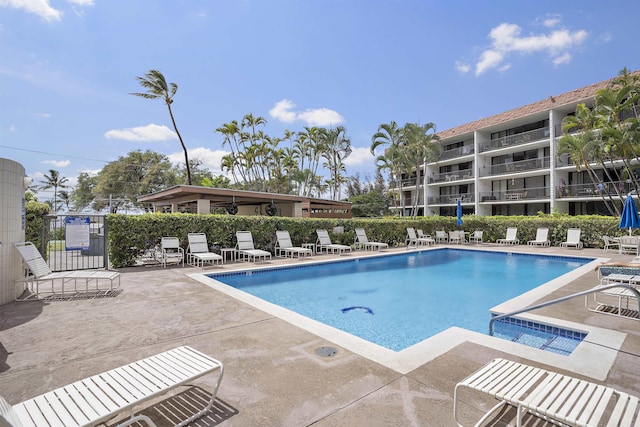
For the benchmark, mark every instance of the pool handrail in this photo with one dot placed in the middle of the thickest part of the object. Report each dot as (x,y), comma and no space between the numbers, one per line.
(599,288)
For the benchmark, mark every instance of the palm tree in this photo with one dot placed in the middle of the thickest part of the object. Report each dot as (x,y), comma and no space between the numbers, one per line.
(55,181)
(337,148)
(157,88)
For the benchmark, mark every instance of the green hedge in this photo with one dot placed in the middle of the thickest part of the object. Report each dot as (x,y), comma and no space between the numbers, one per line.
(129,236)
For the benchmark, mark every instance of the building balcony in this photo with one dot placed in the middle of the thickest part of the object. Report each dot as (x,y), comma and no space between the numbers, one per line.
(451,176)
(514,140)
(451,199)
(457,152)
(519,166)
(591,191)
(515,195)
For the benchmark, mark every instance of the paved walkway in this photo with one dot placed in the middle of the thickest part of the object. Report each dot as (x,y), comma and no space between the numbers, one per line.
(273,375)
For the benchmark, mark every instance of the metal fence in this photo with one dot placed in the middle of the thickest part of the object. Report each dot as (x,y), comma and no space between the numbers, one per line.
(61,255)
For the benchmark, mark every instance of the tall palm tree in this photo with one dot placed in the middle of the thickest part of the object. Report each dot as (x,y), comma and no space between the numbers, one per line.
(337,148)
(157,88)
(55,181)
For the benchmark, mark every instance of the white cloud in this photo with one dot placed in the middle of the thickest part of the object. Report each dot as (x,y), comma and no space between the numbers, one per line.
(57,163)
(44,115)
(210,159)
(151,132)
(462,67)
(312,116)
(42,8)
(82,2)
(359,156)
(507,39)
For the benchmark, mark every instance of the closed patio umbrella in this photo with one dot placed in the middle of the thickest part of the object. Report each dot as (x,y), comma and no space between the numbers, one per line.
(629,218)
(459,213)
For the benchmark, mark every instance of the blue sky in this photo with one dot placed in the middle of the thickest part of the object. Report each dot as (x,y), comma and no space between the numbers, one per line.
(67,68)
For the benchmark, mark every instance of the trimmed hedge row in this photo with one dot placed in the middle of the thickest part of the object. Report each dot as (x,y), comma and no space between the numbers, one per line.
(129,236)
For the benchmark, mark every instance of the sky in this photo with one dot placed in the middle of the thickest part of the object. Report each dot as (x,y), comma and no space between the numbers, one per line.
(67,68)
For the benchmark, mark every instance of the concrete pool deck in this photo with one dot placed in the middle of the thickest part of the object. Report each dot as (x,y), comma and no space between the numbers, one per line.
(273,375)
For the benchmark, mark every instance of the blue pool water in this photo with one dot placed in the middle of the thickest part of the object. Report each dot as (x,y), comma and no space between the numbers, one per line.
(399,300)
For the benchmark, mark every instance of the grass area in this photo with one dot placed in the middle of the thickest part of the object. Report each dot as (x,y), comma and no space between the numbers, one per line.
(56,245)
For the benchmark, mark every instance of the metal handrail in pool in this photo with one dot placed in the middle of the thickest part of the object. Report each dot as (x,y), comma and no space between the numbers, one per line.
(578,294)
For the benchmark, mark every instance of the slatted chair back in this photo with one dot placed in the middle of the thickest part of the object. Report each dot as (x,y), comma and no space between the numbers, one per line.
(323,237)
(198,243)
(361,235)
(245,241)
(33,259)
(284,239)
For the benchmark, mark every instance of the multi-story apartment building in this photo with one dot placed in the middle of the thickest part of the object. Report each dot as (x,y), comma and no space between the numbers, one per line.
(506,164)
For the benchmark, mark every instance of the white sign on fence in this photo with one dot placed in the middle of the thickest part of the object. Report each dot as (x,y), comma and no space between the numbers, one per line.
(77,232)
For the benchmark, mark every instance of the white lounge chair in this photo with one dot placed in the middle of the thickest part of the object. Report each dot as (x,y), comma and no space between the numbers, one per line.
(541,237)
(412,239)
(363,242)
(476,236)
(284,246)
(97,399)
(422,235)
(441,236)
(324,243)
(198,253)
(246,250)
(511,238)
(37,271)
(170,251)
(557,398)
(573,239)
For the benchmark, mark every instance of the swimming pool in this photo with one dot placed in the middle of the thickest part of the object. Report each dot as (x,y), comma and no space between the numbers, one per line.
(399,300)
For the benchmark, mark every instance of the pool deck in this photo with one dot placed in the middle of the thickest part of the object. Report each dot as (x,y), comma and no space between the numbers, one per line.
(273,375)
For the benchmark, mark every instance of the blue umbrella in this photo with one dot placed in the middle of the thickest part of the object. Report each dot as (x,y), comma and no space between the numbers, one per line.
(629,218)
(459,213)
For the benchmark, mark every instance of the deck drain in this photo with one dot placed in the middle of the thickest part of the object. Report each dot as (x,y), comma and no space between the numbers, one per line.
(326,351)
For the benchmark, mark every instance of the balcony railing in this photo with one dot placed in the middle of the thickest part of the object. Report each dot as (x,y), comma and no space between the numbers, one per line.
(451,199)
(451,176)
(593,190)
(513,140)
(515,195)
(519,166)
(457,152)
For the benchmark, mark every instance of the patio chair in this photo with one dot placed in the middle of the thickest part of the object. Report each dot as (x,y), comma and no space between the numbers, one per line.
(412,239)
(573,239)
(170,251)
(284,246)
(363,242)
(511,238)
(476,236)
(541,238)
(98,399)
(457,237)
(198,253)
(441,236)
(37,271)
(611,243)
(629,244)
(246,250)
(324,243)
(557,398)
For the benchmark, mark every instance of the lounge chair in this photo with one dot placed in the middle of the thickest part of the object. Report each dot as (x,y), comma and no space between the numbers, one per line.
(557,398)
(623,292)
(284,246)
(422,235)
(363,242)
(412,239)
(511,238)
(37,271)
(170,251)
(246,250)
(198,253)
(324,243)
(573,239)
(441,236)
(476,236)
(541,238)
(611,243)
(97,399)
